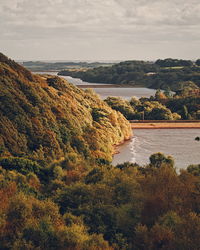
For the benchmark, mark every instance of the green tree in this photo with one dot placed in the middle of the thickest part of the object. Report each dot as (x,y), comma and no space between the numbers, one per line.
(185,113)
(157,160)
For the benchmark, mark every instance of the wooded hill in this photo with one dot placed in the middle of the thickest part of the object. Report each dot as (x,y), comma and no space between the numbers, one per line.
(46,117)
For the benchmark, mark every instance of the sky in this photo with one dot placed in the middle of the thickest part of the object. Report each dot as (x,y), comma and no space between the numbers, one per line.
(100,29)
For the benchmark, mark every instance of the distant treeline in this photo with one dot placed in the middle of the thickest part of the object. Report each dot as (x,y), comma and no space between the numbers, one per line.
(56,66)
(162,74)
(162,106)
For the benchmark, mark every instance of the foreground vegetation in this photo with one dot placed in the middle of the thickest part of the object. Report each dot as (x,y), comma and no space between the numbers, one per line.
(58,189)
(104,207)
(163,74)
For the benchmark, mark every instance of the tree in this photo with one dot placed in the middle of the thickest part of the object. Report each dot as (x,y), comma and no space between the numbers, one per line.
(194,169)
(159,95)
(198,62)
(20,164)
(168,92)
(158,159)
(185,112)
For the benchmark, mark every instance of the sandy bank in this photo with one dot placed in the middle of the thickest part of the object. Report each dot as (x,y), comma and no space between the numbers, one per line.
(166,125)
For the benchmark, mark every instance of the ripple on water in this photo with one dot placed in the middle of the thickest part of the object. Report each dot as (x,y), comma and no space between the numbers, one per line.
(179,143)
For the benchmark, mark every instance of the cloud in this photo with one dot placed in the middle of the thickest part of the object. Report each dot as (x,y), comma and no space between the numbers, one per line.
(122,21)
(60,13)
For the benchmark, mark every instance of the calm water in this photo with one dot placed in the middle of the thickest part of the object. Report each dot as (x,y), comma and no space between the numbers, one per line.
(75,81)
(125,93)
(179,143)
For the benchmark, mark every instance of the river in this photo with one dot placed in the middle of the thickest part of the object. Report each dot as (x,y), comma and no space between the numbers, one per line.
(179,143)
(125,93)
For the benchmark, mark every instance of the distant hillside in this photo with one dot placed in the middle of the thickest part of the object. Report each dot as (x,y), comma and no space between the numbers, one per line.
(44,118)
(163,74)
(56,66)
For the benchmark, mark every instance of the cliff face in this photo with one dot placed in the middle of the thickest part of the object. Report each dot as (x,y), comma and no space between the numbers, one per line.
(46,117)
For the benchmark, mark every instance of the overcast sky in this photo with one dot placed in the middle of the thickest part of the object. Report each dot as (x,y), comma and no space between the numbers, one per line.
(100,29)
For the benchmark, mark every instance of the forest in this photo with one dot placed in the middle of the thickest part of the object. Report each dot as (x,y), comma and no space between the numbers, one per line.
(161,74)
(163,106)
(58,188)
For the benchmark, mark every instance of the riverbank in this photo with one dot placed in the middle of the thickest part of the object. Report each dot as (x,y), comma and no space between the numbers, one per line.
(94,86)
(165,125)
(179,143)
(102,85)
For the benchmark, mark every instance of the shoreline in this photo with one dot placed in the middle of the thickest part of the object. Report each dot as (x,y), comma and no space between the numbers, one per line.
(102,85)
(165,125)
(93,85)
(116,146)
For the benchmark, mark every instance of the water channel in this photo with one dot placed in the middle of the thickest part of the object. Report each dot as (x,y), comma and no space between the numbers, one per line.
(179,143)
